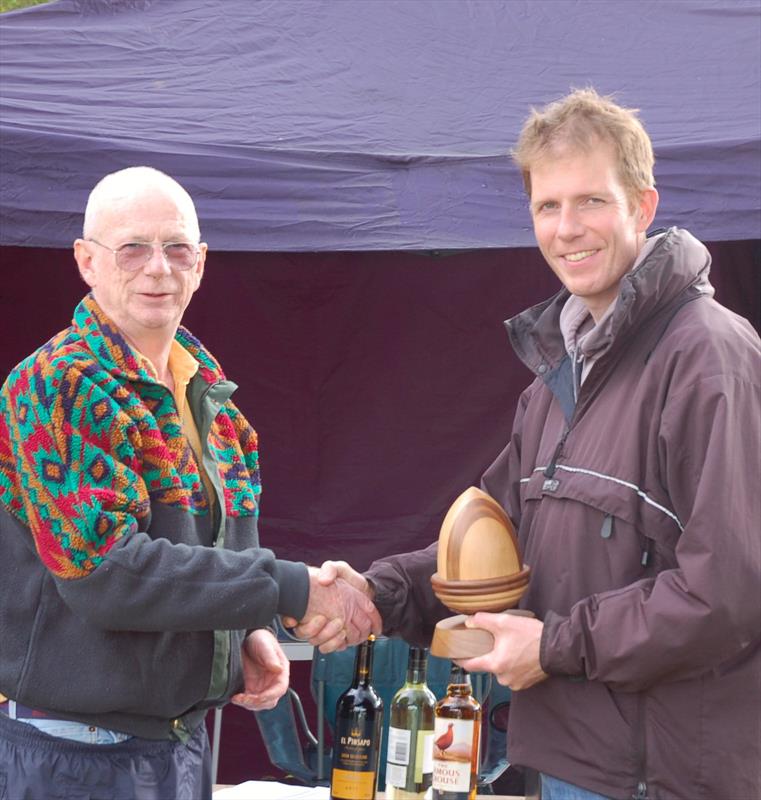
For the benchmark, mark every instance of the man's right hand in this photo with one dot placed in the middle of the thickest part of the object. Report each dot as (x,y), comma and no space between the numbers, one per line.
(340,611)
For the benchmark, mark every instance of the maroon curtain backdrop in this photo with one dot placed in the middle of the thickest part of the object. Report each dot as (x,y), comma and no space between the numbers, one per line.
(381,385)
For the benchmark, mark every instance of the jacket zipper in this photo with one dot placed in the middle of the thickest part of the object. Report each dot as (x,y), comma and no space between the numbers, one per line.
(577,361)
(641,790)
(198,457)
(216,508)
(549,471)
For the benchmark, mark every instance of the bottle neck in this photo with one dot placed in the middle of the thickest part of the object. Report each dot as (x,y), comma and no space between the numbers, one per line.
(363,664)
(459,682)
(417,665)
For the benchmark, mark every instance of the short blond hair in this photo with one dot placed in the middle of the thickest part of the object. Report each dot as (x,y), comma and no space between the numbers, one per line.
(577,122)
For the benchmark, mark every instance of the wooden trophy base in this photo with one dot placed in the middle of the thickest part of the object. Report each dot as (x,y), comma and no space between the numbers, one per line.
(451,639)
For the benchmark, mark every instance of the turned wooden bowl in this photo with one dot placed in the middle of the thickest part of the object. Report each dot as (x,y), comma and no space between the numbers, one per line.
(490,584)
(473,593)
(499,601)
(477,541)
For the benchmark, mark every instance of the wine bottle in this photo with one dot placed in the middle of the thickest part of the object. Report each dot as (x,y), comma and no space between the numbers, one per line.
(409,762)
(456,740)
(358,731)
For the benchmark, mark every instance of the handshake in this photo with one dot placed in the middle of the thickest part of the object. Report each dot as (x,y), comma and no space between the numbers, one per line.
(340,611)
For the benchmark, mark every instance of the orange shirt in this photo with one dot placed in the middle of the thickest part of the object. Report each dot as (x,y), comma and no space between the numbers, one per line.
(183,367)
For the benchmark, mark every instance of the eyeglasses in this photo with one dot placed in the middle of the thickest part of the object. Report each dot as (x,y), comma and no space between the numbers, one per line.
(133,255)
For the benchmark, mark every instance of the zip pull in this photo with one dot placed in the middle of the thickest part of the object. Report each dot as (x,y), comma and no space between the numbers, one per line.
(578,368)
(641,793)
(607,526)
(646,552)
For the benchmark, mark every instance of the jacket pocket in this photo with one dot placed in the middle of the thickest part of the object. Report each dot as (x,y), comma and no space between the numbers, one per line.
(618,498)
(583,535)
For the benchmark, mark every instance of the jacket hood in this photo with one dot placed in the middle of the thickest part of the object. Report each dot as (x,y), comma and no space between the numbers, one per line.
(677,262)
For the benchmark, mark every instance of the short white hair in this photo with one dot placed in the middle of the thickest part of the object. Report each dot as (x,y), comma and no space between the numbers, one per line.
(130,181)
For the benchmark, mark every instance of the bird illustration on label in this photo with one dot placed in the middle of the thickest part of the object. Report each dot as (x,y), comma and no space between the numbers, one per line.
(449,748)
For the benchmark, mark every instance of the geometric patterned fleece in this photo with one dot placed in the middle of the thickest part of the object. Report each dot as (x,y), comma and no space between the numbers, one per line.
(88,435)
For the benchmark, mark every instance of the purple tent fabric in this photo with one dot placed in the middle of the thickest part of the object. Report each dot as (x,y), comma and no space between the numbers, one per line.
(304,125)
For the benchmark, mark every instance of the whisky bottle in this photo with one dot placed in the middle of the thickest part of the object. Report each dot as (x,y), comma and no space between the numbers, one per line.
(358,731)
(456,740)
(409,762)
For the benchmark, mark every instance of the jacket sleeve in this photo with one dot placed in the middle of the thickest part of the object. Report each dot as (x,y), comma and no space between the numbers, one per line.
(78,456)
(404,596)
(705,612)
(502,480)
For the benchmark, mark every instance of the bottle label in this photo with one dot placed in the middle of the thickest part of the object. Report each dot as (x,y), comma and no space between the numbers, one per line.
(350,785)
(453,743)
(355,758)
(399,745)
(396,775)
(425,754)
(355,745)
(403,766)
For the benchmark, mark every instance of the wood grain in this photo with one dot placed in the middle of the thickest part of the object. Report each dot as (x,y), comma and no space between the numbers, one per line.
(451,639)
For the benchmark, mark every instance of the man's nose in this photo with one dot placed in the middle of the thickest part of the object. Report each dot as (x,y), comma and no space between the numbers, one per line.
(157,265)
(569,224)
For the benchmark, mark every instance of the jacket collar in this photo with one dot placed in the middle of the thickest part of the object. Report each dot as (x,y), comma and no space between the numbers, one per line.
(676,262)
(112,350)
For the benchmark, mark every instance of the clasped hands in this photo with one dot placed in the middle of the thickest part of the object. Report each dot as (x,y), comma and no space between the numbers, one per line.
(514,660)
(340,611)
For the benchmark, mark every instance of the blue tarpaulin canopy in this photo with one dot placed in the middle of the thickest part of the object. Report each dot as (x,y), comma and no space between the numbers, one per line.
(303,125)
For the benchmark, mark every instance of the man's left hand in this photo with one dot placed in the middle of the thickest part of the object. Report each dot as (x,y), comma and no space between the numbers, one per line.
(266,671)
(514,660)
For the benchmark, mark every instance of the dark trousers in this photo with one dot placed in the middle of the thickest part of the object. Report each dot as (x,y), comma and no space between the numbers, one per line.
(35,766)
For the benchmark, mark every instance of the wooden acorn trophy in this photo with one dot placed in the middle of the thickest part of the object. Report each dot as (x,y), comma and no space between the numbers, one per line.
(479,568)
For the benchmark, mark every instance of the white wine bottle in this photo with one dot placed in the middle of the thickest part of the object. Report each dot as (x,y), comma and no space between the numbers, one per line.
(409,764)
(456,740)
(358,732)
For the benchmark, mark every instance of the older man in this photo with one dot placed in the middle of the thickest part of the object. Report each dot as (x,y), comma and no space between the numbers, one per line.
(135,596)
(632,477)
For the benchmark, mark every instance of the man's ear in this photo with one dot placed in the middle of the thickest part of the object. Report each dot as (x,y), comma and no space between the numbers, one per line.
(646,208)
(200,266)
(83,257)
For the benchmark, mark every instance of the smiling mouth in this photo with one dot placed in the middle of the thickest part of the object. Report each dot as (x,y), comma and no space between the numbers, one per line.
(580,256)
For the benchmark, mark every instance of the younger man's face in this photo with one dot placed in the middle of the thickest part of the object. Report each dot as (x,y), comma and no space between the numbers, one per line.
(585,224)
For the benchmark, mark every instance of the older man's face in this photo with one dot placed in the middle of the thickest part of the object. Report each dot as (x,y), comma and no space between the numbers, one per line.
(149,302)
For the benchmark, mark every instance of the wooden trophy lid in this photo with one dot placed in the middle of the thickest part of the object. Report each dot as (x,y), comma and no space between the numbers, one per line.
(477,540)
